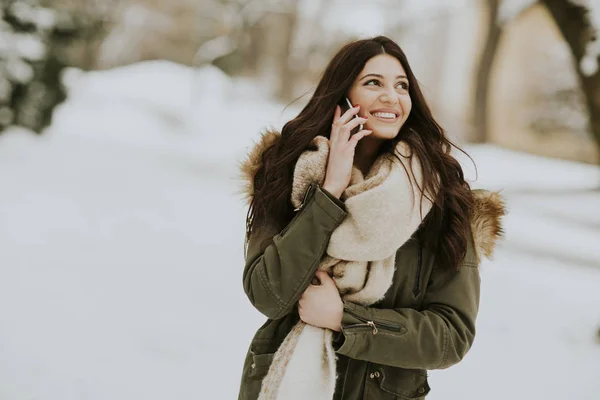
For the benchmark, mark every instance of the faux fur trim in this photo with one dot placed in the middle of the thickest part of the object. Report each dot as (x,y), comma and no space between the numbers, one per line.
(486,221)
(250,166)
(486,218)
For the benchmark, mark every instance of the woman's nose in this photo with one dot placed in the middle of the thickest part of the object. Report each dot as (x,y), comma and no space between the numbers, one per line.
(389,96)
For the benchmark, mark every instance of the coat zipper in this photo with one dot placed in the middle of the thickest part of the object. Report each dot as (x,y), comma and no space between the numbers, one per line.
(308,192)
(416,288)
(372,324)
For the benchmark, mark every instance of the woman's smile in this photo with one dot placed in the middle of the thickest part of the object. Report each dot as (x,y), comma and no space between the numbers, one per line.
(384,116)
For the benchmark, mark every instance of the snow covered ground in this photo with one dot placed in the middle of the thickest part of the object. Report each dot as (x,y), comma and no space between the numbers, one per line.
(122,233)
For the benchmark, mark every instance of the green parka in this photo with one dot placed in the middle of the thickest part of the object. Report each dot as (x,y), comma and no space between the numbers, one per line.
(425,321)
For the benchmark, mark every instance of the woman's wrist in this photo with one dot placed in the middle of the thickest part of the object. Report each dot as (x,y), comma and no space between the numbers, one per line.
(337,326)
(334,192)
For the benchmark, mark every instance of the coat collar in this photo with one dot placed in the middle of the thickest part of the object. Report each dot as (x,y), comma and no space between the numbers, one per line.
(486,217)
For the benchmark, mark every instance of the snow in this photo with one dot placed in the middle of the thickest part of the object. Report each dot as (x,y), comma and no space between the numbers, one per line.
(5,90)
(29,47)
(122,231)
(213,49)
(18,71)
(43,18)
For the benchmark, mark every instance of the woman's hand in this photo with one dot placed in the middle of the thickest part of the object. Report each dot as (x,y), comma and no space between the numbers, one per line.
(341,150)
(321,305)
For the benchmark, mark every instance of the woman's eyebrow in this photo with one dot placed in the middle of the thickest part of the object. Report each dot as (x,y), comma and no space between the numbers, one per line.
(381,76)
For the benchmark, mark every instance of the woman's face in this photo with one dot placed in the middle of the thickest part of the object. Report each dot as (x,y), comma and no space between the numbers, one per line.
(381,90)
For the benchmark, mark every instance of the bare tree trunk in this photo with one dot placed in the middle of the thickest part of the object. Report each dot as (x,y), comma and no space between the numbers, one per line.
(254,49)
(484,69)
(288,71)
(574,24)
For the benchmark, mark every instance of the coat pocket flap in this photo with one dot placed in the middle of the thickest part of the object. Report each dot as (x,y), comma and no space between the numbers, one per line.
(262,360)
(404,383)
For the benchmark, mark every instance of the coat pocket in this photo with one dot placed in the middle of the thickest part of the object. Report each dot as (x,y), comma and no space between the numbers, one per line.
(255,370)
(260,364)
(399,383)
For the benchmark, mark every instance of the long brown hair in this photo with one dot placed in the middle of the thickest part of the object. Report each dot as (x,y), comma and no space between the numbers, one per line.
(446,227)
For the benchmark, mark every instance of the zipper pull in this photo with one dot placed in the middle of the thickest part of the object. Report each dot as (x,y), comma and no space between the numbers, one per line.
(306,195)
(372,325)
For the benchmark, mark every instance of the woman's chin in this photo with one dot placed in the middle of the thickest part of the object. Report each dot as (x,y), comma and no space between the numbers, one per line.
(384,134)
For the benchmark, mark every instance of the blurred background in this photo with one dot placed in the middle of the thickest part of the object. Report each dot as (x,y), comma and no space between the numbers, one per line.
(122,123)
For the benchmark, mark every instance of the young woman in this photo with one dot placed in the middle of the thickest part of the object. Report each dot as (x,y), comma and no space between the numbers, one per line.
(363,240)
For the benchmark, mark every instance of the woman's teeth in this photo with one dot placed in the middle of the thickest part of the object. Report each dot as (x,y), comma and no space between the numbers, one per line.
(385,115)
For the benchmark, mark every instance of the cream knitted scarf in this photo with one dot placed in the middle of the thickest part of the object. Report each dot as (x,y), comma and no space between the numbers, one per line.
(384,210)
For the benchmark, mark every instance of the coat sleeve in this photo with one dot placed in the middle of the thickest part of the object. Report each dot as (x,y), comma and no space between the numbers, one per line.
(437,337)
(280,266)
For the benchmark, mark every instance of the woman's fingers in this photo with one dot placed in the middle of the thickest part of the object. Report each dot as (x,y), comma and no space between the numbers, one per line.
(343,125)
(349,114)
(349,117)
(357,136)
(356,122)
(324,277)
(341,154)
(321,276)
(336,126)
(346,130)
(344,118)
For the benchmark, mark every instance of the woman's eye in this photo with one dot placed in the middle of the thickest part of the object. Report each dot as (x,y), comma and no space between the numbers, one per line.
(403,85)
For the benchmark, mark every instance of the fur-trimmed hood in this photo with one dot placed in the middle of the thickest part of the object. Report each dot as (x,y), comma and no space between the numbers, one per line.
(486,219)
(250,166)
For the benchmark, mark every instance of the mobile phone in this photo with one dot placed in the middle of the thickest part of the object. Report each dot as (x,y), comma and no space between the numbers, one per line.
(345,106)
